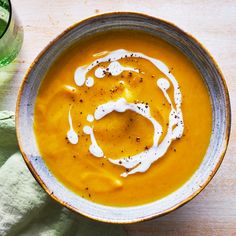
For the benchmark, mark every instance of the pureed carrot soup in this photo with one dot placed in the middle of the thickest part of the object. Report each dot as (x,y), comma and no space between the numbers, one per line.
(123,118)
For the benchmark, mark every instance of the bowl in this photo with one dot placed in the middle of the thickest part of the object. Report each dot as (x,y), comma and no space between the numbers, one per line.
(211,75)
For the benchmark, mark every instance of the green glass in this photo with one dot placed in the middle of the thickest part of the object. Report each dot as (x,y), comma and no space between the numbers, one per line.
(11,34)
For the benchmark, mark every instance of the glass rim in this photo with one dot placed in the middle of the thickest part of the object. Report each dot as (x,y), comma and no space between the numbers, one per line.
(9,19)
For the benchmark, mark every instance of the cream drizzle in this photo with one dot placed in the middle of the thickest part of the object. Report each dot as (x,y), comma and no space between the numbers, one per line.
(142,161)
(122,105)
(115,68)
(93,148)
(71,134)
(90,118)
(89,82)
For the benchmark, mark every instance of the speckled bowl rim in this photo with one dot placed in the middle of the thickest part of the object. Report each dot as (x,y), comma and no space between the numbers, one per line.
(194,194)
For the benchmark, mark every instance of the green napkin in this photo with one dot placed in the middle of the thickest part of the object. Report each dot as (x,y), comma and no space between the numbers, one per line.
(25,209)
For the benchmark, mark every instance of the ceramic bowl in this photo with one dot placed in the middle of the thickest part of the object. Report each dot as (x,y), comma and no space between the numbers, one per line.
(210,74)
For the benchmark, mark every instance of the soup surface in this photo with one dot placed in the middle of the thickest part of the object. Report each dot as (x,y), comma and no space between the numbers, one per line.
(123,118)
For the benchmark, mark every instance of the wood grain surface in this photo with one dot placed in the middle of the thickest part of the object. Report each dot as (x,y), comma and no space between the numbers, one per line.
(212,22)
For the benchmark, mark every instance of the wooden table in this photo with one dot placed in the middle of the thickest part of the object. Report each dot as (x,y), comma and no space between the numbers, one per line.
(213,22)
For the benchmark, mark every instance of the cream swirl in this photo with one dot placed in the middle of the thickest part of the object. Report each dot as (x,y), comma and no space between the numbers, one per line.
(141,161)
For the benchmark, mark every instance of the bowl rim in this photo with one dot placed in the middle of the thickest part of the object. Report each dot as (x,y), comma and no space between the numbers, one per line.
(149,217)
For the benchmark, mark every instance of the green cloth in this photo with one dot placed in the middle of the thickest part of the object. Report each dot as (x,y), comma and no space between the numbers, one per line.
(25,209)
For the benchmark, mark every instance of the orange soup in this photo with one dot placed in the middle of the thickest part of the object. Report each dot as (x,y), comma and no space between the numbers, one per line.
(123,118)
